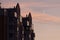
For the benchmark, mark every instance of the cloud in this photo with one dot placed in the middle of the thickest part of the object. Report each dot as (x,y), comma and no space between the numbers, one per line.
(31,4)
(41,17)
(8,5)
(37,16)
(39,4)
(44,18)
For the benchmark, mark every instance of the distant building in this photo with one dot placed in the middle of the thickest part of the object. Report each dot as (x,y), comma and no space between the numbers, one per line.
(15,27)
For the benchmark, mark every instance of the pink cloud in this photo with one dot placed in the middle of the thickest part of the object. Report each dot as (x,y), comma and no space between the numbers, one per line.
(44,18)
(8,5)
(38,4)
(41,17)
(30,4)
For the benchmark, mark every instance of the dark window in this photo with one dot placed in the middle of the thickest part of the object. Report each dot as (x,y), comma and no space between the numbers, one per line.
(11,27)
(10,35)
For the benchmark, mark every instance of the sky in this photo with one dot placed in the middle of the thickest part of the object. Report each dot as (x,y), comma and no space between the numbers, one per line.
(45,14)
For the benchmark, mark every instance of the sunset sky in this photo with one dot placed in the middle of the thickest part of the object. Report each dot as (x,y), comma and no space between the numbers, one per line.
(45,14)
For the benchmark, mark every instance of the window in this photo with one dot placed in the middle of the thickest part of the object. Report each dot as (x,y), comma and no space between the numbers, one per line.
(10,35)
(27,23)
(15,14)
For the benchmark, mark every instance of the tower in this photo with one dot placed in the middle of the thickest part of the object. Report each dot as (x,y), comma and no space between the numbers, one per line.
(27,25)
(11,26)
(8,23)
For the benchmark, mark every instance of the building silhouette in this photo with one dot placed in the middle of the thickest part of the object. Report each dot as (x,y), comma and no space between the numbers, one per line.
(15,27)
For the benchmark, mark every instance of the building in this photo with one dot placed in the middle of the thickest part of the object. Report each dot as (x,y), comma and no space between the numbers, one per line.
(15,27)
(28,30)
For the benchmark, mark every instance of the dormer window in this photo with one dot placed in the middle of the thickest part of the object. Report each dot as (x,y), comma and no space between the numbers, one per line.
(27,23)
(15,14)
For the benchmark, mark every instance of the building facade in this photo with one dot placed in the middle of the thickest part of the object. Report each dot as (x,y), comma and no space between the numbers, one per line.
(14,26)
